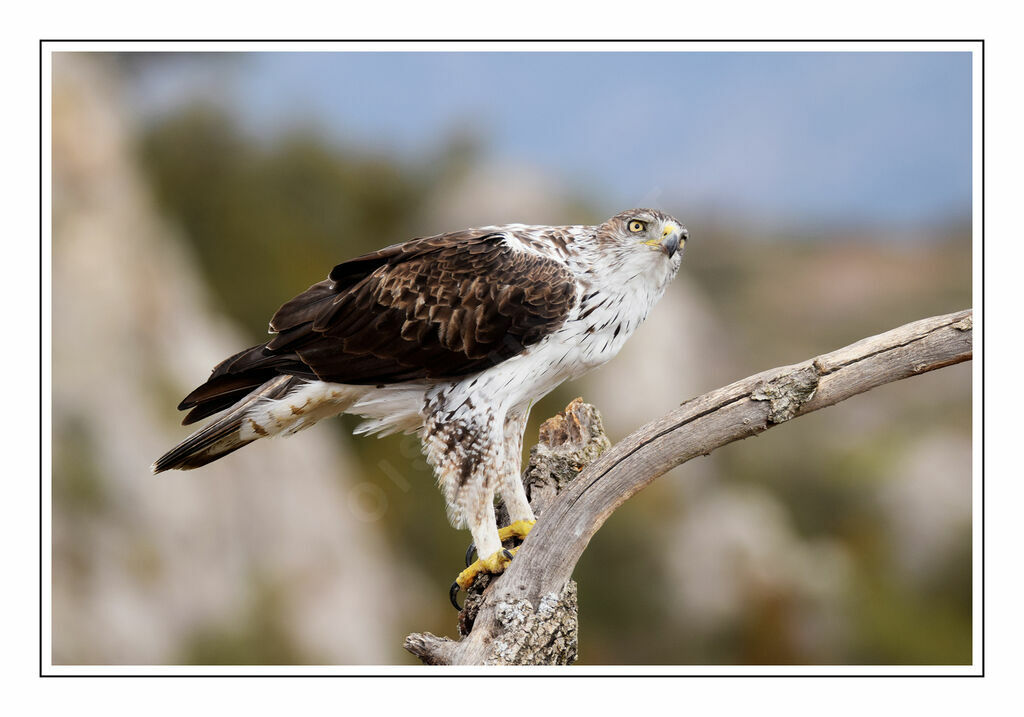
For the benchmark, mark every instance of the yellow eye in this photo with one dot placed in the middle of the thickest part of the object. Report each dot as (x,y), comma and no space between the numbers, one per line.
(636,226)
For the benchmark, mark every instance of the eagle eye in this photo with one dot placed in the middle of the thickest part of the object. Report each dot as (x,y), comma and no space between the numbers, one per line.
(636,226)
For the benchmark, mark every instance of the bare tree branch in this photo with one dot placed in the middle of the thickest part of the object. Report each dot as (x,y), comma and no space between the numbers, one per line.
(539,576)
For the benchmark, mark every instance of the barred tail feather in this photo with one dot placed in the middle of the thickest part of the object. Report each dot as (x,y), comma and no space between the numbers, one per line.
(215,441)
(224,435)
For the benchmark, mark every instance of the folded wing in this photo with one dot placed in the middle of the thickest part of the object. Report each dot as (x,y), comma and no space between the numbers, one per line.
(433,308)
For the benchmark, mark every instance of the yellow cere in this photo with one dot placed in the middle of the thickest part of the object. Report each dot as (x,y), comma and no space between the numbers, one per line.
(669,228)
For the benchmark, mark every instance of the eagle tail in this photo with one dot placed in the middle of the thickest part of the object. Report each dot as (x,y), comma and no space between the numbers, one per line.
(222,436)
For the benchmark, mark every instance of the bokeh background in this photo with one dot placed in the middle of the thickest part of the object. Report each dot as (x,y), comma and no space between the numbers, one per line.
(827,195)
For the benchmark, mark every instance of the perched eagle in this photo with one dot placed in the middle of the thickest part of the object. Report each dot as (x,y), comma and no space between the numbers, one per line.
(453,336)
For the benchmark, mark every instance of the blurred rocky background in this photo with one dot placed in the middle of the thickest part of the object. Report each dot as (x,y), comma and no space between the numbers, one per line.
(193,194)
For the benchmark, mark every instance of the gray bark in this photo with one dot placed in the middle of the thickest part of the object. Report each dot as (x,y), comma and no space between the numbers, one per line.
(528,615)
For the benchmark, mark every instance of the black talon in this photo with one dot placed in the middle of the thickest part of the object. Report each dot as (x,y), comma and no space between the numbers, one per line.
(453,594)
(469,553)
(506,553)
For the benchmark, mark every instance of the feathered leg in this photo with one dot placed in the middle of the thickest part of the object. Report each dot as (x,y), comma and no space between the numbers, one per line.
(463,458)
(510,485)
(469,460)
(513,494)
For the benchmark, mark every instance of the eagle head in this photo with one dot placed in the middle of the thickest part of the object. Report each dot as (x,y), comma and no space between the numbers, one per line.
(645,238)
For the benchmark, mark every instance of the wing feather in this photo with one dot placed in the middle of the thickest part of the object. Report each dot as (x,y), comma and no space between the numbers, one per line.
(435,308)
(439,307)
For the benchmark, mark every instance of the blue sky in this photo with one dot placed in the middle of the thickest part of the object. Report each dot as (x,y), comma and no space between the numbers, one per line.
(804,138)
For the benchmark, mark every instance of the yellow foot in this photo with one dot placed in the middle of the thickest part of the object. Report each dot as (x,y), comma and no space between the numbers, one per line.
(519,529)
(494,564)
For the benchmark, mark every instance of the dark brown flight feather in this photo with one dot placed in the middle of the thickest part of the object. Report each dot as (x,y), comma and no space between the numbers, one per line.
(438,307)
(222,436)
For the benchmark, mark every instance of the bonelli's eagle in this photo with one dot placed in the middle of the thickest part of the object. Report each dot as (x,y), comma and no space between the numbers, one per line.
(454,337)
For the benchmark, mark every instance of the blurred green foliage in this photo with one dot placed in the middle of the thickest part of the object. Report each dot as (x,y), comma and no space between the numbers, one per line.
(258,636)
(78,486)
(267,220)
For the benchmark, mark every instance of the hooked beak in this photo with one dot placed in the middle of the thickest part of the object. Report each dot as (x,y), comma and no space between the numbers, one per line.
(671,245)
(672,238)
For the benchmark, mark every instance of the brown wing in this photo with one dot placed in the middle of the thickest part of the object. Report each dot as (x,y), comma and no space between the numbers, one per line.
(439,307)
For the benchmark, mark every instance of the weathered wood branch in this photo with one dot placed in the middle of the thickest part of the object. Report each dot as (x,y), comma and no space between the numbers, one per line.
(539,577)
